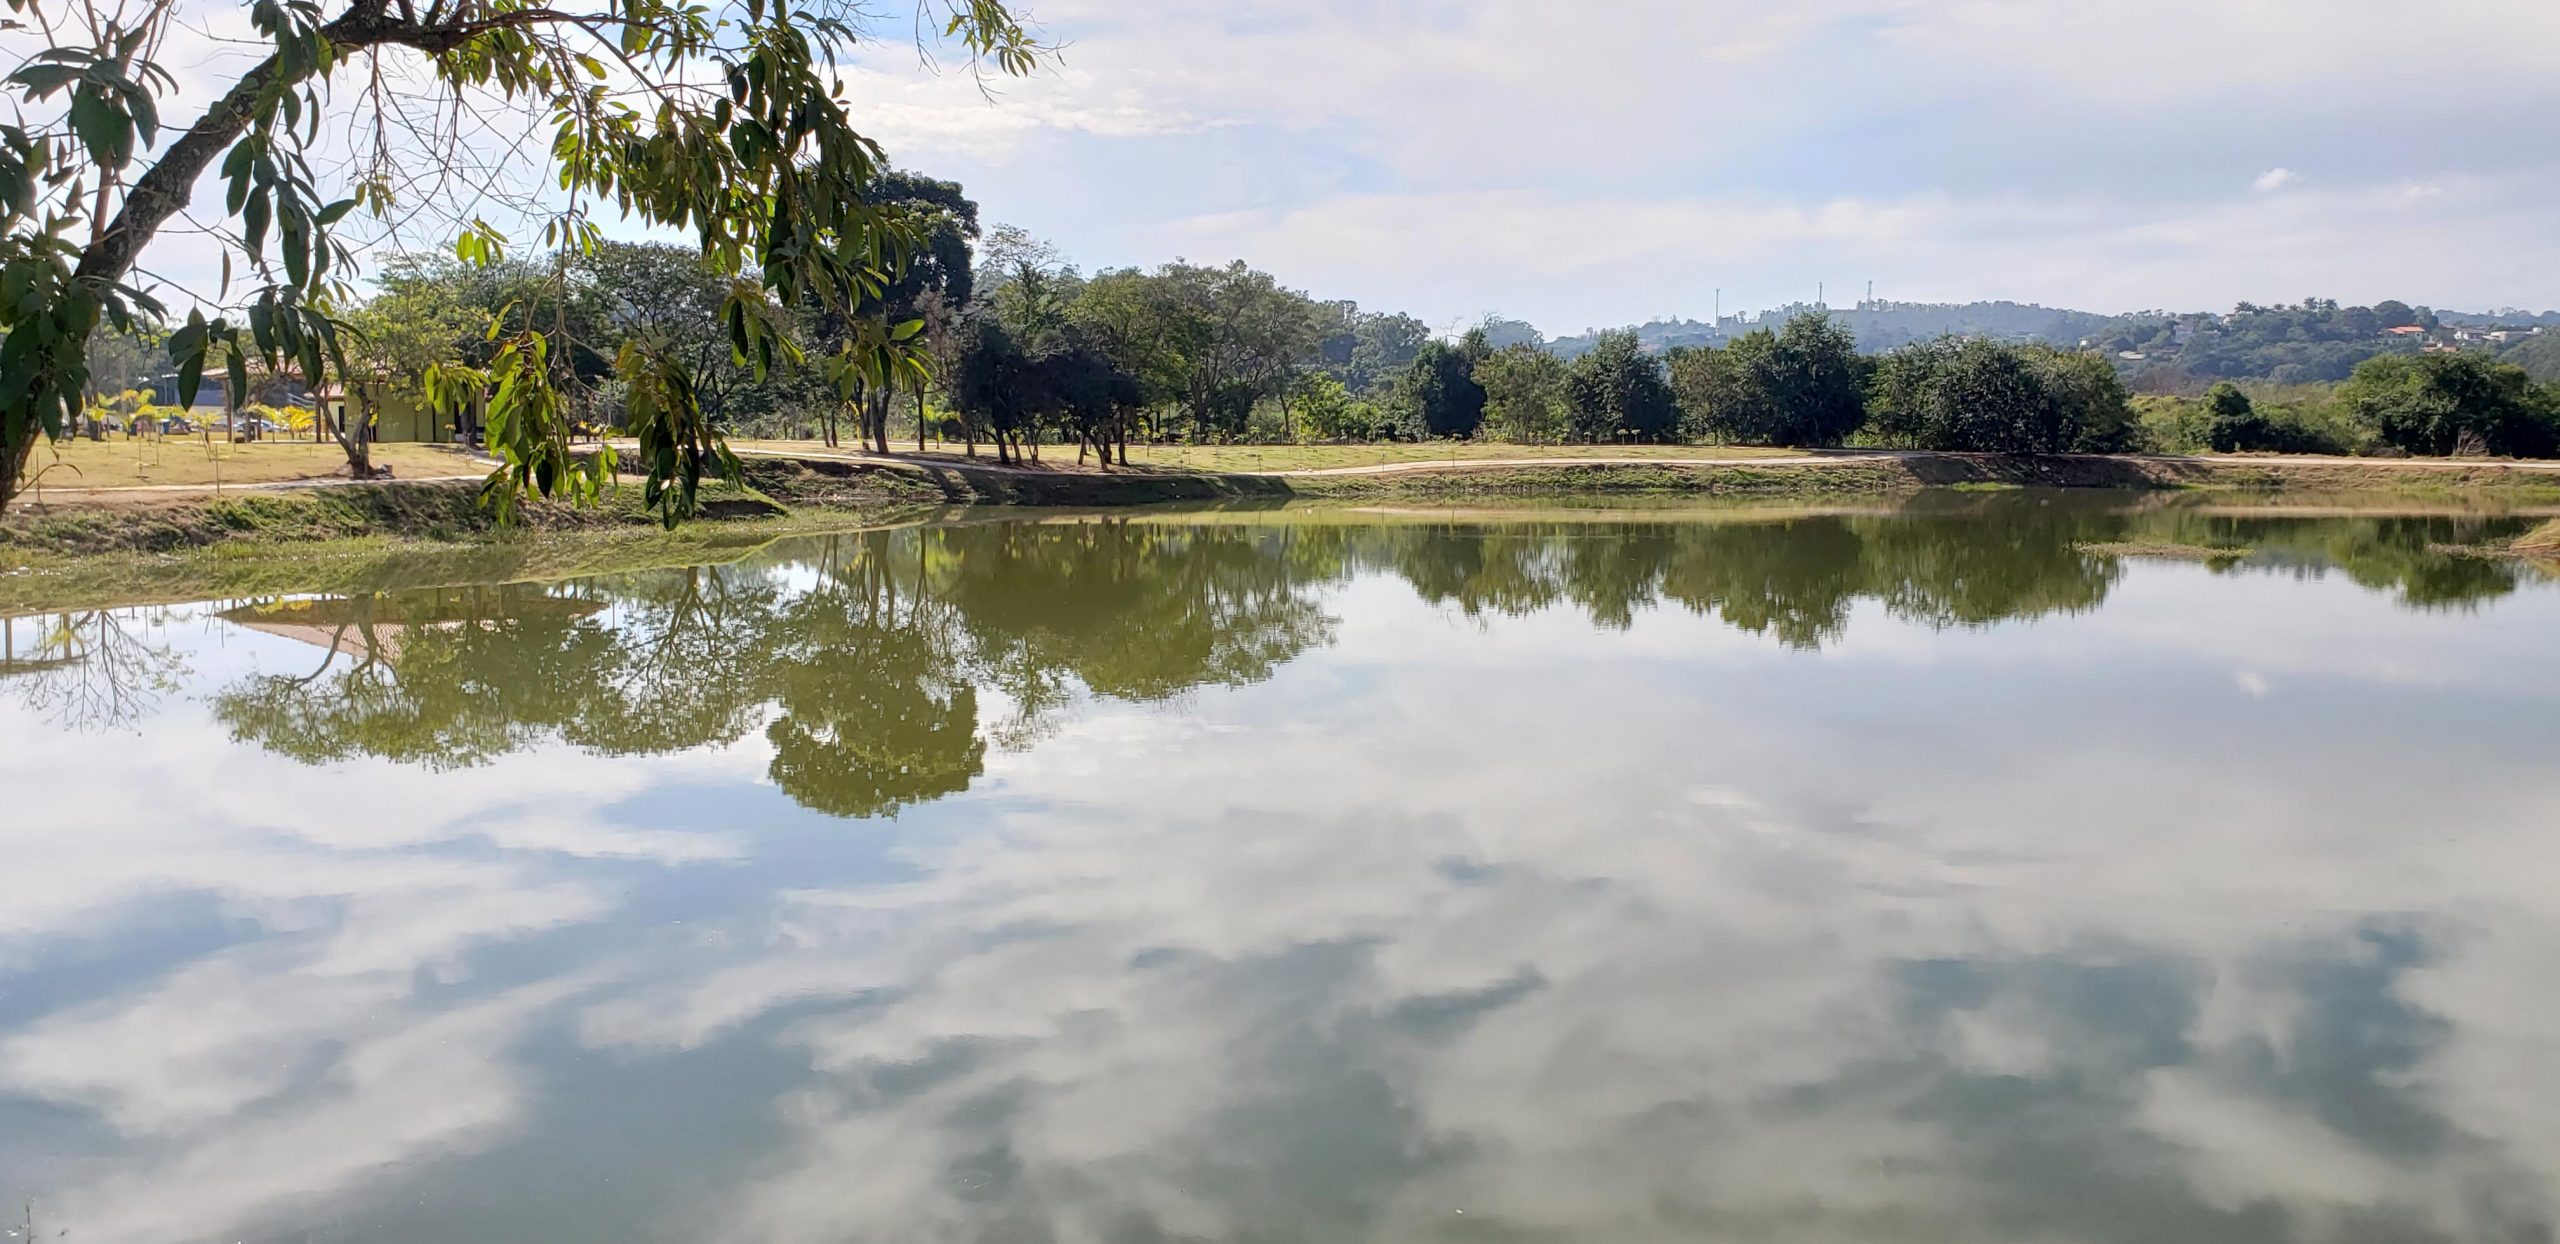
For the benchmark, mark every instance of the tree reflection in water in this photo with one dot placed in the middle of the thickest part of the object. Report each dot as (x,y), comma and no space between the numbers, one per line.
(882,666)
(93,669)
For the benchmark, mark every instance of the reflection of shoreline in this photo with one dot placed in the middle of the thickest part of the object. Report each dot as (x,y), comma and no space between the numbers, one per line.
(377,627)
(867,658)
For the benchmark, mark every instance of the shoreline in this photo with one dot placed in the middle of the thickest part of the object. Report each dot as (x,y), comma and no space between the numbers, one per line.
(371,536)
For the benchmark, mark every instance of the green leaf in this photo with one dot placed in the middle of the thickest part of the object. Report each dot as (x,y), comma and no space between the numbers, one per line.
(253,221)
(187,346)
(103,128)
(238,365)
(146,113)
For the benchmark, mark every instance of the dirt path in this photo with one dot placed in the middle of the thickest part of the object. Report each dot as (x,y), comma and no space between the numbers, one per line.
(151,494)
(154,494)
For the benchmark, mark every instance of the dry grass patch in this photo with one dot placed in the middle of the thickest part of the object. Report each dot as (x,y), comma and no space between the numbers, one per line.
(191,461)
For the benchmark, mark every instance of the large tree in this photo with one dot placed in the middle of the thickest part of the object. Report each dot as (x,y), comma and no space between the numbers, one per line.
(1524,393)
(1437,396)
(722,121)
(667,302)
(1364,349)
(881,335)
(1972,395)
(1212,339)
(2453,404)
(1617,389)
(1800,385)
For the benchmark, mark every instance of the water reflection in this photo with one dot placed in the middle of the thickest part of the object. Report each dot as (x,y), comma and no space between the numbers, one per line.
(87,668)
(1244,880)
(862,656)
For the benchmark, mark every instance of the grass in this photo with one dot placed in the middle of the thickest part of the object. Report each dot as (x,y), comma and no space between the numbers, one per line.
(377,539)
(377,563)
(44,540)
(38,538)
(190,460)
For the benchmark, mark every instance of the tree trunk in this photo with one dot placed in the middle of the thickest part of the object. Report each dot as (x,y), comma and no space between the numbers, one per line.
(165,187)
(13,466)
(357,441)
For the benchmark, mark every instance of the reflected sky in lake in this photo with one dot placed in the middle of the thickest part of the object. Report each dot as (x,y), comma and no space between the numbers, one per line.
(1913,873)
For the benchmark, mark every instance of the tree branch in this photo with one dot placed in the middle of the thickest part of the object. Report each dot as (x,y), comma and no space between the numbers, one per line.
(163,190)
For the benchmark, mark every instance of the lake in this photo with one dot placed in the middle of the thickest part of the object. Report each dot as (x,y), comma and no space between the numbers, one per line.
(1917,871)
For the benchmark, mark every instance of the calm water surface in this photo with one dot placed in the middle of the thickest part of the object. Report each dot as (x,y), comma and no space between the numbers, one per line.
(1907,876)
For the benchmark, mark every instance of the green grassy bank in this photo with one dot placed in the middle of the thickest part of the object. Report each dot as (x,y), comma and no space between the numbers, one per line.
(372,536)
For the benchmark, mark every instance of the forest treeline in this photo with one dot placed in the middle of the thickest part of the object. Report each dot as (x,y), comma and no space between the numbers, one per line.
(991,336)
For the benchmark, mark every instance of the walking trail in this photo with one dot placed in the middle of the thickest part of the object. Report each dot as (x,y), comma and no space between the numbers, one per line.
(146,493)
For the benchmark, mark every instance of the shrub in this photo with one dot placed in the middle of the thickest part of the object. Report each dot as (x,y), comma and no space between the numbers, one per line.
(1616,388)
(1978,396)
(2452,404)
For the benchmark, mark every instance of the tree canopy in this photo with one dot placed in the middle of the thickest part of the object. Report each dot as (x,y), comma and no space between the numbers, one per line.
(1617,389)
(1799,385)
(1972,395)
(2453,404)
(723,122)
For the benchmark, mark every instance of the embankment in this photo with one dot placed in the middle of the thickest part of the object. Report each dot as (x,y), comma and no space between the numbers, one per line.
(357,536)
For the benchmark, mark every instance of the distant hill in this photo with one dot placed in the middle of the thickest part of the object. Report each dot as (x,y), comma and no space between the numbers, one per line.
(1879,325)
(2539,355)
(2316,341)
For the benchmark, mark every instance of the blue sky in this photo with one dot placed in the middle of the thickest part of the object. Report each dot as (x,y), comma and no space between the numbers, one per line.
(1593,165)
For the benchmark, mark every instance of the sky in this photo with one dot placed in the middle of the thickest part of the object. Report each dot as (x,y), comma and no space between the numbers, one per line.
(1604,164)
(1596,165)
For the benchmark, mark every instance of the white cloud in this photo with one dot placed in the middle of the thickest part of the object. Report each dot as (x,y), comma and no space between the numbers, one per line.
(1587,261)
(1627,947)
(1994,146)
(1410,156)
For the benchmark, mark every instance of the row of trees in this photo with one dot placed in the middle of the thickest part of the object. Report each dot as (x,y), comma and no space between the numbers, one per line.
(1007,342)
(987,336)
(1020,348)
(2423,404)
(1803,384)
(1806,384)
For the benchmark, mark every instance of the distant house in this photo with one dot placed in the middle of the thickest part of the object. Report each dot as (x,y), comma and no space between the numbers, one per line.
(400,418)
(2132,356)
(2405,331)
